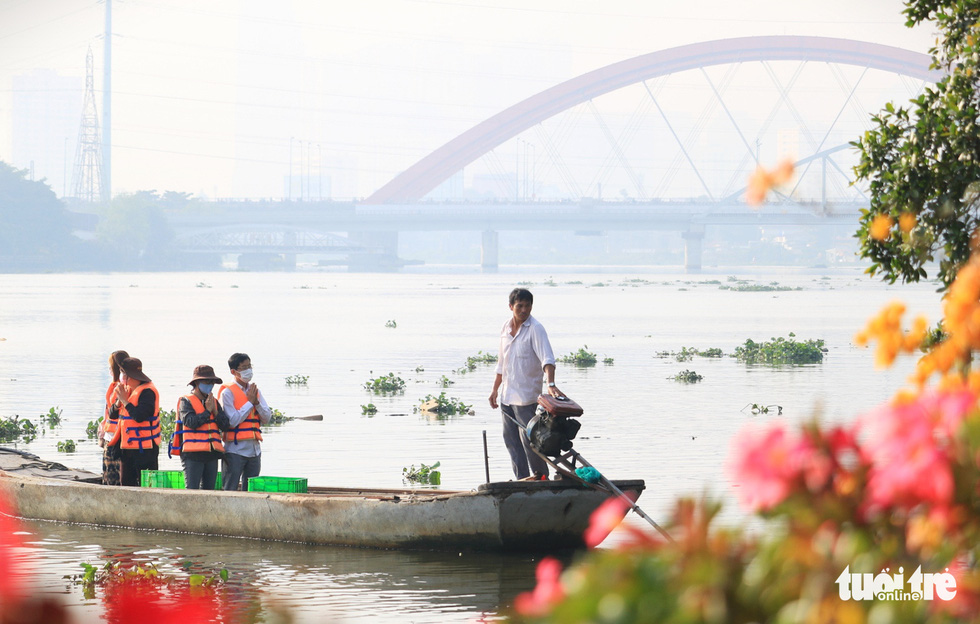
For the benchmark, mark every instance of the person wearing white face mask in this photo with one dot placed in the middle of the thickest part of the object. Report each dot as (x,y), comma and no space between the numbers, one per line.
(197,432)
(247,411)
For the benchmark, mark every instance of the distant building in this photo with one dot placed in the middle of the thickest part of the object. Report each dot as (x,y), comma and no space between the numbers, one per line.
(47,109)
(450,189)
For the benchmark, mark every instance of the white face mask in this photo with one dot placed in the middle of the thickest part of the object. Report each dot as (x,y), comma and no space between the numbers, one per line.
(246,375)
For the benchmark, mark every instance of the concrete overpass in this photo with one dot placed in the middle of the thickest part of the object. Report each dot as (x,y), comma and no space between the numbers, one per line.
(371,241)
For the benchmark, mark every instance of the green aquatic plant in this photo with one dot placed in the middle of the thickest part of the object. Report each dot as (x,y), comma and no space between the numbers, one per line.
(442,404)
(92,428)
(687,376)
(427,475)
(391,324)
(445,382)
(685,354)
(53,417)
(475,360)
(13,428)
(168,420)
(608,360)
(385,384)
(370,408)
(114,572)
(277,417)
(66,446)
(743,287)
(777,351)
(297,380)
(582,357)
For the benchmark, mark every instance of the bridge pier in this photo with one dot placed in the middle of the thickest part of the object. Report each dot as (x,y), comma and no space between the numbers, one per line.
(693,240)
(490,251)
(380,254)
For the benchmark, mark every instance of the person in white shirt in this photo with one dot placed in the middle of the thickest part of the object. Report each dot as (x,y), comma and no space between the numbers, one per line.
(247,411)
(525,358)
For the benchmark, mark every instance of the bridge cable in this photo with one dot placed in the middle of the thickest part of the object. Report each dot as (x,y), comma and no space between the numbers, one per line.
(679,143)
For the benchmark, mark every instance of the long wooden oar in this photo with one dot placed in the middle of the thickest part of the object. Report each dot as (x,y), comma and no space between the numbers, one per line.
(604,485)
(314,417)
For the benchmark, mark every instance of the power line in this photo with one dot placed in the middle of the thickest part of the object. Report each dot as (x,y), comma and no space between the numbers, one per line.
(45,23)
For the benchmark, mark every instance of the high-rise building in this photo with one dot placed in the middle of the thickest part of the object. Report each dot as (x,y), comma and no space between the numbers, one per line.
(46,109)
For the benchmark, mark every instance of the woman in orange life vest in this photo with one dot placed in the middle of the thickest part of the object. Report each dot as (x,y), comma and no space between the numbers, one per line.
(197,433)
(139,421)
(109,427)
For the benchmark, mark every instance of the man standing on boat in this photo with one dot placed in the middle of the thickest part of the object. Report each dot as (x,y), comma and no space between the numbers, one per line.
(247,411)
(525,358)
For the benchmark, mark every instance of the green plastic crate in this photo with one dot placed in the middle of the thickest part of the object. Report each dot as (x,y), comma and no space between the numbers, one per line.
(277,484)
(172,479)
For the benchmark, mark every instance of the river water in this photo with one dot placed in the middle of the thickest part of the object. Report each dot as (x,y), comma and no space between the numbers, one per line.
(58,329)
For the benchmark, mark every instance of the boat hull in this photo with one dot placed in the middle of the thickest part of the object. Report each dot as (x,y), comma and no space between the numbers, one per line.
(533,516)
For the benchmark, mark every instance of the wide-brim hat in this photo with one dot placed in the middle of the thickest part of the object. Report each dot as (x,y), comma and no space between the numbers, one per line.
(204,373)
(134,369)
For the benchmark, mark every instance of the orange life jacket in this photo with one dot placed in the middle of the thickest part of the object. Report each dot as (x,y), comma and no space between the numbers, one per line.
(109,427)
(251,427)
(144,435)
(205,438)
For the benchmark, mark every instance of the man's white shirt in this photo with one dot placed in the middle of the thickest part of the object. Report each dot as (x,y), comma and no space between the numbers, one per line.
(247,448)
(521,362)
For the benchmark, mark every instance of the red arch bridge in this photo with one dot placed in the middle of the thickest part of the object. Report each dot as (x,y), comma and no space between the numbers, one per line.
(675,134)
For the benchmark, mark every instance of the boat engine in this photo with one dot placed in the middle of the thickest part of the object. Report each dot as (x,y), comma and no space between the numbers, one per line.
(552,429)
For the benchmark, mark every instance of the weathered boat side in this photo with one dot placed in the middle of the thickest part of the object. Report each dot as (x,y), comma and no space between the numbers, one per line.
(568,509)
(501,516)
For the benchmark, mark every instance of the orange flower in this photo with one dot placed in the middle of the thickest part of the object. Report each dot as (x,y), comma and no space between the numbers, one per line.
(907,221)
(886,328)
(881,227)
(763,180)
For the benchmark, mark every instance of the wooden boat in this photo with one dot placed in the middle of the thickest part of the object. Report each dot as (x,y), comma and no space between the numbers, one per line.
(512,515)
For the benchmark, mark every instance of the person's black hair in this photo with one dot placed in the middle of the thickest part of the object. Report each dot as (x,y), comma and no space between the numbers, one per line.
(521,294)
(236,359)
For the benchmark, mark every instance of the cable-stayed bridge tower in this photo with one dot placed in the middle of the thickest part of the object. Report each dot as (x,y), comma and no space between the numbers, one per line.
(86,181)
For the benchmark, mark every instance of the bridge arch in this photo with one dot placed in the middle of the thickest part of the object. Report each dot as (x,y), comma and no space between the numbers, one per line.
(426,174)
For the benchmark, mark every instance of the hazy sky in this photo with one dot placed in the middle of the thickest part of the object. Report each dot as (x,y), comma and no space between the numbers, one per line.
(208,93)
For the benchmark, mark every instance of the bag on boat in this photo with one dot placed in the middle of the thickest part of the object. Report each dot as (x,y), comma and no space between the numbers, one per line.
(559,406)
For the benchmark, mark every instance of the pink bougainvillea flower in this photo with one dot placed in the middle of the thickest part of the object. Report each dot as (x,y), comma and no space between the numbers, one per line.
(607,517)
(13,563)
(546,593)
(965,605)
(132,601)
(766,465)
(909,452)
(950,408)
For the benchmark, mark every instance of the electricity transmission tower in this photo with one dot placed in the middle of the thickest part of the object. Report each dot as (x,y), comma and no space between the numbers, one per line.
(87,182)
